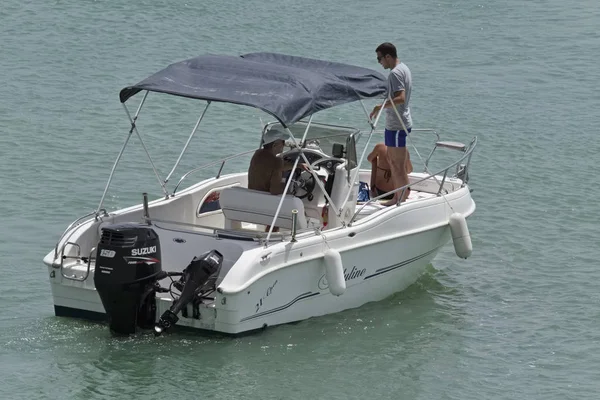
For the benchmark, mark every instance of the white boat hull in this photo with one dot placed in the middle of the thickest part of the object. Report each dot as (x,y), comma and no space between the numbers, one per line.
(221,255)
(285,282)
(285,295)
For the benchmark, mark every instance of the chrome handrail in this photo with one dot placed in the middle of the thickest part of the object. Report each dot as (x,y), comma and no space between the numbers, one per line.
(62,252)
(75,223)
(62,255)
(448,145)
(216,231)
(221,161)
(89,263)
(467,153)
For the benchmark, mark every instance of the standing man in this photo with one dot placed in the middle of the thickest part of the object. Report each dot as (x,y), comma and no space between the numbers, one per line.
(399,85)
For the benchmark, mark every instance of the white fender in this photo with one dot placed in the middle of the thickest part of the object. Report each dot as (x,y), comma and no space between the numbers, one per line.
(460,235)
(334,272)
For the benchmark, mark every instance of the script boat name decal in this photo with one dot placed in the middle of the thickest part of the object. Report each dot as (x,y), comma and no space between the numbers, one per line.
(348,276)
(264,297)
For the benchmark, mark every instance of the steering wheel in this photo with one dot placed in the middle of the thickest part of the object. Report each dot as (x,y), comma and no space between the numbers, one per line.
(286,153)
(329,163)
(303,184)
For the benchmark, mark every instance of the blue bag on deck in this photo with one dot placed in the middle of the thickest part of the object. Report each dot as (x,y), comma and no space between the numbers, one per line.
(363,192)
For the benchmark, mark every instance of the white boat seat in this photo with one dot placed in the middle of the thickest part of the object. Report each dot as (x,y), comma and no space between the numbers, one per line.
(245,205)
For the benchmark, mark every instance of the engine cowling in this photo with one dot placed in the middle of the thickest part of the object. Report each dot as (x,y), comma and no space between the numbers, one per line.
(128,263)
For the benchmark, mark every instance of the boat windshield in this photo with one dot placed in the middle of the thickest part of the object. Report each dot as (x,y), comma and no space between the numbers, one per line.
(326,136)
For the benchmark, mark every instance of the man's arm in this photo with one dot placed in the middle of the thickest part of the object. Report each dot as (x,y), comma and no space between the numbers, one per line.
(399,98)
(276,186)
(287,166)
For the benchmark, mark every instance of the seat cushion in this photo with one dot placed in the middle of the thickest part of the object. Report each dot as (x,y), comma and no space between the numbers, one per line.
(246,205)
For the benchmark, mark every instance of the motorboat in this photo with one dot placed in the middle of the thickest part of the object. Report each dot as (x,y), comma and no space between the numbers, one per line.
(207,256)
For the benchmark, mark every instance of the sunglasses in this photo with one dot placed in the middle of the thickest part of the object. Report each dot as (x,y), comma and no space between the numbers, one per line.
(379,58)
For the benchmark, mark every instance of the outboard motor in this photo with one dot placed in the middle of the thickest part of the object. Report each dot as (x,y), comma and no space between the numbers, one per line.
(127,268)
(195,275)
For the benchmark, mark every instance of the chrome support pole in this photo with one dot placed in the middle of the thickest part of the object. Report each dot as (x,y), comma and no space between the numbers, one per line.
(112,172)
(287,185)
(366,113)
(317,180)
(160,182)
(429,157)
(289,181)
(362,156)
(187,143)
(146,212)
(379,115)
(294,224)
(401,195)
(220,170)
(442,183)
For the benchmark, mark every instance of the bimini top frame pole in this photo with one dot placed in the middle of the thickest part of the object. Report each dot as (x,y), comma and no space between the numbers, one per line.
(373,126)
(134,128)
(362,156)
(289,181)
(112,172)
(311,171)
(160,181)
(187,143)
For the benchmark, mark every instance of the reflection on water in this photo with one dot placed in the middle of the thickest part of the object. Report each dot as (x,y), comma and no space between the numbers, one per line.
(395,335)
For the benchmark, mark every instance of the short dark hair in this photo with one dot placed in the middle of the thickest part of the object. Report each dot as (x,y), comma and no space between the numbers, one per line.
(387,48)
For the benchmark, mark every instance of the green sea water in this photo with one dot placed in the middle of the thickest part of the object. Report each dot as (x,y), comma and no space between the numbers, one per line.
(517,320)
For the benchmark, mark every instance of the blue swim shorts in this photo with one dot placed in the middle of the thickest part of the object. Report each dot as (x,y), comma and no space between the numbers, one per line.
(395,138)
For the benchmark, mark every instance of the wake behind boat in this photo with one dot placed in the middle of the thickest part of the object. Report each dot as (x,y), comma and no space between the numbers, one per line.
(201,257)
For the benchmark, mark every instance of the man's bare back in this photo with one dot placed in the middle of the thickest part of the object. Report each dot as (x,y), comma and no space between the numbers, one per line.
(265,172)
(381,175)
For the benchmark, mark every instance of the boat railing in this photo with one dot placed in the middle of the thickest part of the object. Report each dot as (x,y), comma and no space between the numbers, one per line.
(211,164)
(462,170)
(81,220)
(95,214)
(223,233)
(78,258)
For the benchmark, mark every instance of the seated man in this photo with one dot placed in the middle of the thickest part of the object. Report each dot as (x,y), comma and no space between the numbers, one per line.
(266,169)
(265,172)
(381,173)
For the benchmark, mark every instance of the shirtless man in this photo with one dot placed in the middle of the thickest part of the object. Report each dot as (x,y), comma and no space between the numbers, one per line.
(266,169)
(381,173)
(265,172)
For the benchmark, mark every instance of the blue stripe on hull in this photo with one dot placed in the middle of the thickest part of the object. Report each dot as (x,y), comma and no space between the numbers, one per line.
(402,264)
